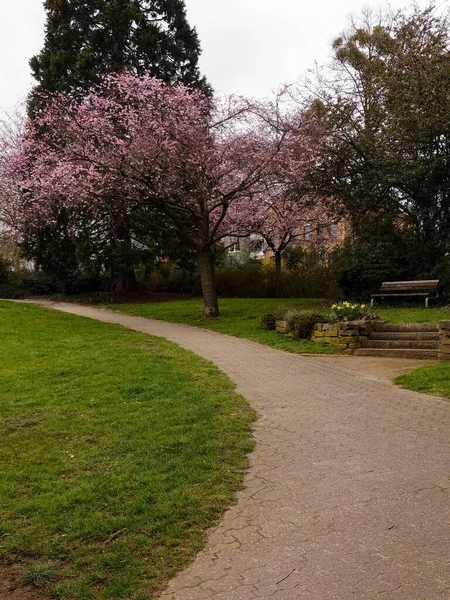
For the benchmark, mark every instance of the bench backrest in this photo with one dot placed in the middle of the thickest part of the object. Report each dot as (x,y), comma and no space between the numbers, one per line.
(428,285)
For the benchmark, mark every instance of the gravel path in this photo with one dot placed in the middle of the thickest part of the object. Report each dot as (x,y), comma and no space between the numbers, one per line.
(348,494)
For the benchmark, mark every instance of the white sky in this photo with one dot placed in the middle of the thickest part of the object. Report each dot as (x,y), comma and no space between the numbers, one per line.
(249,46)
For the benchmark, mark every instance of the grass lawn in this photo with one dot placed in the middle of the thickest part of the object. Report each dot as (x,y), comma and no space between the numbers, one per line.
(412,315)
(431,379)
(238,316)
(117,451)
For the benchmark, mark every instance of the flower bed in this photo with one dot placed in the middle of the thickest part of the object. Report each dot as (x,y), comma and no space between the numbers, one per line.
(348,325)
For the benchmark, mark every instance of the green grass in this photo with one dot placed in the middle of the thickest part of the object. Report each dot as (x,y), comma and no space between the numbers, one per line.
(412,315)
(238,316)
(431,379)
(117,451)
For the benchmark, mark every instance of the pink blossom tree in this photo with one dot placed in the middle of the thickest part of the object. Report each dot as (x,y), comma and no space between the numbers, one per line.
(286,200)
(137,145)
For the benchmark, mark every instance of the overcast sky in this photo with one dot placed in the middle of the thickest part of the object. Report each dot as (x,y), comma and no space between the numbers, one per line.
(249,46)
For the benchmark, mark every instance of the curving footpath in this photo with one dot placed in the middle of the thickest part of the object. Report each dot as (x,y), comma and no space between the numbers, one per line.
(348,494)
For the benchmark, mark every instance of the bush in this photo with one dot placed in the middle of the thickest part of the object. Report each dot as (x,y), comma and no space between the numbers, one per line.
(301,324)
(304,275)
(22,284)
(268,321)
(280,312)
(5,269)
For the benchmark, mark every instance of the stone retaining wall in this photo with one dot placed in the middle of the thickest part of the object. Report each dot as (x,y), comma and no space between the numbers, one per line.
(444,345)
(345,335)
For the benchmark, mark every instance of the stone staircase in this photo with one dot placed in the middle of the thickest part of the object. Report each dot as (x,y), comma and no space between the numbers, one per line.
(402,341)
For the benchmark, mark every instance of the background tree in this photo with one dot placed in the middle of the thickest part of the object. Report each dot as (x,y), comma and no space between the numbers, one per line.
(286,202)
(86,40)
(387,99)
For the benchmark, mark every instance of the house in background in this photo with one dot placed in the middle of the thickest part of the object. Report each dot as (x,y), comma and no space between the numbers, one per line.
(320,238)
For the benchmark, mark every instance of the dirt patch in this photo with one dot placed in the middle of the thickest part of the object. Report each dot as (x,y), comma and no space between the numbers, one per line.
(10,589)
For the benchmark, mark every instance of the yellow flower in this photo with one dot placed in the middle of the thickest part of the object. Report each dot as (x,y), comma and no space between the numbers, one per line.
(353,306)
(339,307)
(333,306)
(363,306)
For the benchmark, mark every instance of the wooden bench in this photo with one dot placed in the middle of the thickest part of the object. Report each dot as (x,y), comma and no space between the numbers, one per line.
(424,288)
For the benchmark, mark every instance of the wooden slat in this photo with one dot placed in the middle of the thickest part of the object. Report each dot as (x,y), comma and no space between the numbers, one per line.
(409,286)
(404,294)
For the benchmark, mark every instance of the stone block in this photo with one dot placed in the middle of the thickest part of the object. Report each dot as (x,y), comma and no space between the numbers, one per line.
(442,356)
(318,326)
(445,325)
(340,346)
(354,345)
(280,326)
(366,331)
(319,334)
(349,340)
(350,332)
(326,326)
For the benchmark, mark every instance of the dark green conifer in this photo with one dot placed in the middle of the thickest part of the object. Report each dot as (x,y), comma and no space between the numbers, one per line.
(88,39)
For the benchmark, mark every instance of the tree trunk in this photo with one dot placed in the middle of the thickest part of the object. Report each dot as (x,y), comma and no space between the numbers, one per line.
(123,276)
(123,279)
(277,274)
(206,270)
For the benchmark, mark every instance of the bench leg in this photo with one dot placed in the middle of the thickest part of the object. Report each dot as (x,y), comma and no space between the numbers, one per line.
(426,302)
(371,303)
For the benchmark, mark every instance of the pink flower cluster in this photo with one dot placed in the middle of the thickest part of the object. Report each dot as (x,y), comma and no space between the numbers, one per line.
(137,145)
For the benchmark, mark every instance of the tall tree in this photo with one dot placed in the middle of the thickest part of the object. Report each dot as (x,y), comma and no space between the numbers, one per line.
(85,42)
(387,99)
(137,144)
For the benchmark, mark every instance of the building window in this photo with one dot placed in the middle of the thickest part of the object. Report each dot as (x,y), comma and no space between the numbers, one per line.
(308,230)
(333,231)
(234,247)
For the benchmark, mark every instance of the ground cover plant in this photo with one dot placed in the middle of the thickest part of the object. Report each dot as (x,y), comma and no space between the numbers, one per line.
(429,379)
(117,451)
(240,317)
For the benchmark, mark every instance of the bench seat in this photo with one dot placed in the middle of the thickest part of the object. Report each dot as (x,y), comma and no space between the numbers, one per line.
(425,288)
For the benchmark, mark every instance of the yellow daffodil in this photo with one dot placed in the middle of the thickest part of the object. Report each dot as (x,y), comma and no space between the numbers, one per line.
(333,306)
(363,306)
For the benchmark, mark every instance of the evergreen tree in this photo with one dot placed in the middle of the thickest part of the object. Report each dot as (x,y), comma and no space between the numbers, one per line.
(88,39)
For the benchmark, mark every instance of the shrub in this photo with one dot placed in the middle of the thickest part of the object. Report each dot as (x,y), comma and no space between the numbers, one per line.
(22,284)
(5,269)
(268,321)
(280,312)
(301,324)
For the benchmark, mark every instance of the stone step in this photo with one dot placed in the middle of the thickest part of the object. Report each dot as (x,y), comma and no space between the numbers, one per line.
(406,344)
(405,335)
(398,353)
(406,328)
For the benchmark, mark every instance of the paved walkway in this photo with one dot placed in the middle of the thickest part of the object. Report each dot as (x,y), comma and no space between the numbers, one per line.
(348,494)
